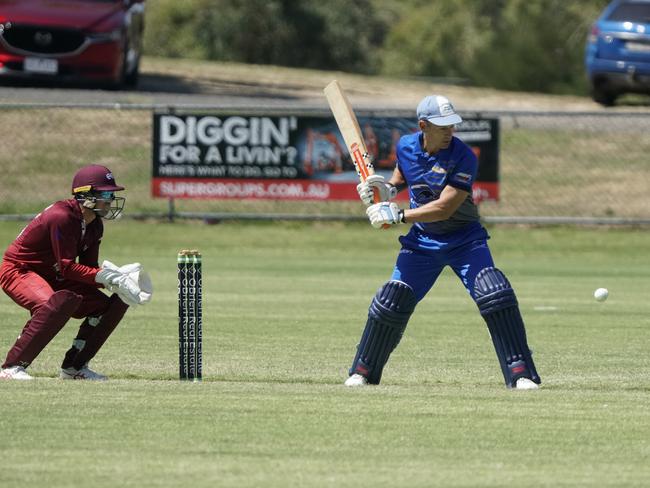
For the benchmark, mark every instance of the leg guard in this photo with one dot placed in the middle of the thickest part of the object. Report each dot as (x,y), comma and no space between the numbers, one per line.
(498,305)
(46,322)
(388,315)
(101,331)
(86,329)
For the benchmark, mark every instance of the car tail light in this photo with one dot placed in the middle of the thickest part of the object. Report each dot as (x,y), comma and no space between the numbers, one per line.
(593,35)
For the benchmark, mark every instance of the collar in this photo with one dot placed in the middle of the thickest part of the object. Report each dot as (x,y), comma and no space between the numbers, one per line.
(419,143)
(75,208)
(419,149)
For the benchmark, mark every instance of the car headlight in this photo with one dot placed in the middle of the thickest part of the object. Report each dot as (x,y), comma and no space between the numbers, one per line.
(112,36)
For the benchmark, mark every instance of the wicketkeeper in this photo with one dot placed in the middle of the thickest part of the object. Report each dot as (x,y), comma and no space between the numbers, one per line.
(52,270)
(438,169)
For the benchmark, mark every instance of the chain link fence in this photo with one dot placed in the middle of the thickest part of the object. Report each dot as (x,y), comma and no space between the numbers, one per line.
(554,167)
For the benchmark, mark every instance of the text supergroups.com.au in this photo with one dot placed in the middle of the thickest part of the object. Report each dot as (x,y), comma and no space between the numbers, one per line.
(281,190)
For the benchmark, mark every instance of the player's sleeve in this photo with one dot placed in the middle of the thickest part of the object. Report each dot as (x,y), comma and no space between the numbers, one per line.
(465,171)
(64,239)
(80,272)
(400,147)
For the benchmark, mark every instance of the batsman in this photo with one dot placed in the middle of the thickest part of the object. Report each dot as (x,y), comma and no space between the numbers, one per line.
(438,170)
(51,269)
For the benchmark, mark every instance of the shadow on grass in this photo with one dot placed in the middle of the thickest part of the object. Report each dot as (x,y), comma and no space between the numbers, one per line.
(166,83)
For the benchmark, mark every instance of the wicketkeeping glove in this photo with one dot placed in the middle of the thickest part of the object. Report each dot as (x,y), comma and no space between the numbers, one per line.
(146,287)
(366,190)
(109,277)
(385,213)
(131,282)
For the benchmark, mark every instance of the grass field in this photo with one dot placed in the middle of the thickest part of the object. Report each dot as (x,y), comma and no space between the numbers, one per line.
(284,305)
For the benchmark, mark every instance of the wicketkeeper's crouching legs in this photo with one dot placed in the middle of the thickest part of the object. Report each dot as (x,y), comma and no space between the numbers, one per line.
(498,305)
(388,315)
(46,322)
(93,333)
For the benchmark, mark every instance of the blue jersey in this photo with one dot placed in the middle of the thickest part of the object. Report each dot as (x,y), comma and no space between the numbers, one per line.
(426,175)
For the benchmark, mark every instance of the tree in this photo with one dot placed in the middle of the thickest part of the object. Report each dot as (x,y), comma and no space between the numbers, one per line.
(339,34)
(436,39)
(532,45)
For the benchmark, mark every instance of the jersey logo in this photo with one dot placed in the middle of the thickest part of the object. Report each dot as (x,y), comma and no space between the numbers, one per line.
(422,194)
(438,169)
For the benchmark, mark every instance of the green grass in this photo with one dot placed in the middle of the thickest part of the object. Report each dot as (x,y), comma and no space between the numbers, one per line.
(284,307)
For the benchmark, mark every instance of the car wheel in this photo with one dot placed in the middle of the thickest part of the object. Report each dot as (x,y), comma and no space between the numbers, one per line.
(604,97)
(131,79)
(128,78)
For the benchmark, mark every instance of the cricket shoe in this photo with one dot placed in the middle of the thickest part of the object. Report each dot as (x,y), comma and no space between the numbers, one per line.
(84,373)
(356,380)
(15,373)
(526,384)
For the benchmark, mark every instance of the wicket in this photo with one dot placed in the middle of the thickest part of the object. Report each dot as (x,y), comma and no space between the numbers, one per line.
(190,320)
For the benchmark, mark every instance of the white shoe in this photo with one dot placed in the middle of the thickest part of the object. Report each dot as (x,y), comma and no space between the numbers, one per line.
(526,384)
(15,373)
(84,373)
(356,380)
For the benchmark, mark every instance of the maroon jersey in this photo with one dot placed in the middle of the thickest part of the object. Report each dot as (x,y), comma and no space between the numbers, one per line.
(52,242)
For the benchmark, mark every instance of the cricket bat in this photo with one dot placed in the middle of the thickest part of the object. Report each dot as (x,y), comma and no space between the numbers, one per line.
(350,130)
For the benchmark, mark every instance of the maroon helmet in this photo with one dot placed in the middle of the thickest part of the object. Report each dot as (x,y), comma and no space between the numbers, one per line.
(94,177)
(95,183)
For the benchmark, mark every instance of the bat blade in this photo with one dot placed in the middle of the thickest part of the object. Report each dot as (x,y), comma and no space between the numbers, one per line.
(348,124)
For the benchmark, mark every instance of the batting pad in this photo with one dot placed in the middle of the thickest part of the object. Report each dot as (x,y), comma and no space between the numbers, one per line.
(388,315)
(498,305)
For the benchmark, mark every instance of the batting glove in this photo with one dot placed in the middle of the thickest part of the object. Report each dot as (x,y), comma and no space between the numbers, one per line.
(366,190)
(385,213)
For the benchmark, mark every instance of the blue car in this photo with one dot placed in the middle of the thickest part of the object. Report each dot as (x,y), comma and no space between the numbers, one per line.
(617,55)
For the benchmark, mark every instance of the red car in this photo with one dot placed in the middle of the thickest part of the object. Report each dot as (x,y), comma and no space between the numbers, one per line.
(72,40)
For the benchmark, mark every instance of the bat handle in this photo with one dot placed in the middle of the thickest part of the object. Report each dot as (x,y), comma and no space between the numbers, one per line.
(375,196)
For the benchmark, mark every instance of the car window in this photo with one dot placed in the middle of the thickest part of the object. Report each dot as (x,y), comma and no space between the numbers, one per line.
(631,11)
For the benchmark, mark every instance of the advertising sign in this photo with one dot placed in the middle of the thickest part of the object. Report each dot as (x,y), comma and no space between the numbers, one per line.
(288,157)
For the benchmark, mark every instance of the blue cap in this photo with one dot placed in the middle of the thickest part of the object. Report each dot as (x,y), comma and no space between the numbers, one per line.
(438,110)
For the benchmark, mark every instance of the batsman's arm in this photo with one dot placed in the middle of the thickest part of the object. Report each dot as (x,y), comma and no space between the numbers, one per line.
(397,180)
(441,209)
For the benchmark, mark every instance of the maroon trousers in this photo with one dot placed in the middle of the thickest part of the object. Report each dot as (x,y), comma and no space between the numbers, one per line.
(51,305)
